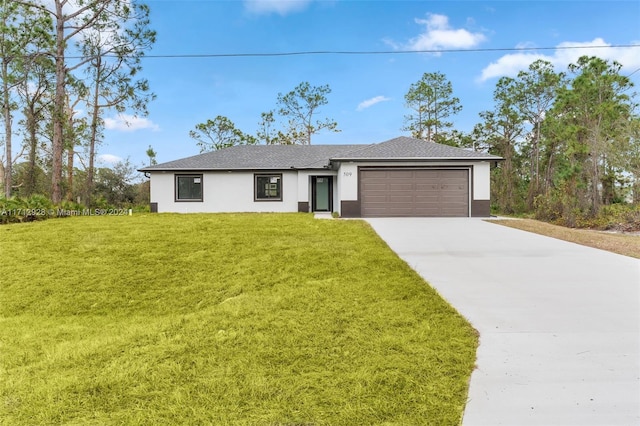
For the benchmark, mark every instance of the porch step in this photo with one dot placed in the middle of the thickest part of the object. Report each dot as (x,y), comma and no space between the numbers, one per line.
(322,215)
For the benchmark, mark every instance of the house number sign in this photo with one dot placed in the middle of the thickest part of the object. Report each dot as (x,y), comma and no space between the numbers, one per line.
(347,173)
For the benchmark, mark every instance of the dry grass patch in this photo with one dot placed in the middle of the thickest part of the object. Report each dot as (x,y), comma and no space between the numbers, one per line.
(625,244)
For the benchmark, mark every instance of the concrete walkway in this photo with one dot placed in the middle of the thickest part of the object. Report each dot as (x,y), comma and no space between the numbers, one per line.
(559,323)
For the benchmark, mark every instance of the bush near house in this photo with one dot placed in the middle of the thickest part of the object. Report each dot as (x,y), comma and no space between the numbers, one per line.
(618,217)
(615,217)
(16,209)
(40,207)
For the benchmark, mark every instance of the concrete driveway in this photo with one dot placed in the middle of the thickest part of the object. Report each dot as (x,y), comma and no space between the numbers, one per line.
(559,323)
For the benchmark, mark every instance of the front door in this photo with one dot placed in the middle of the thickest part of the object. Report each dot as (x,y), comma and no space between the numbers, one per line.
(321,187)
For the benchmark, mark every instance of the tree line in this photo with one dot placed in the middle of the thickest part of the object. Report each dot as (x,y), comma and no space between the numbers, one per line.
(570,140)
(56,58)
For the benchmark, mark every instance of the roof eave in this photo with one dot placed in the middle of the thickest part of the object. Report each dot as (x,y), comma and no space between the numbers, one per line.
(404,159)
(224,169)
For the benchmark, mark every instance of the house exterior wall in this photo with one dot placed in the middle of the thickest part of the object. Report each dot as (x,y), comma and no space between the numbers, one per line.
(223,192)
(348,177)
(481,180)
(347,190)
(233,191)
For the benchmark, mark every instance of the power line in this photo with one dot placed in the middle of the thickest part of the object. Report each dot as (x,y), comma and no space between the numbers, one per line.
(374,52)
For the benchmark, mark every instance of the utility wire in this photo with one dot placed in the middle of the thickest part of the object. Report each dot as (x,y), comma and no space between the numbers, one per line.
(373,52)
(638,69)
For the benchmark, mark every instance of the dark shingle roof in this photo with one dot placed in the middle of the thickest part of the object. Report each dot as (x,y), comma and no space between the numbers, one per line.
(255,157)
(404,148)
(278,157)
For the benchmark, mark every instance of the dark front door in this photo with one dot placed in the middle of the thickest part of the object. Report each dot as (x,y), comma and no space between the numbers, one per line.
(322,190)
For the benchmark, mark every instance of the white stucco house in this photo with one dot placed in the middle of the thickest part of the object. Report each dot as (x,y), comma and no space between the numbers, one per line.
(399,177)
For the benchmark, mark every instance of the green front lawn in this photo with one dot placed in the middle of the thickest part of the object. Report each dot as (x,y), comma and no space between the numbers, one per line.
(248,319)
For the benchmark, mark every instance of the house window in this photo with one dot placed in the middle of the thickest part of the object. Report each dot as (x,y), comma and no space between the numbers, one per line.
(188,187)
(268,187)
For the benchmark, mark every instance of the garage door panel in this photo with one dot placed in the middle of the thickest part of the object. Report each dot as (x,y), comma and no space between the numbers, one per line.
(454,185)
(400,186)
(376,185)
(414,192)
(426,187)
(399,211)
(399,174)
(454,188)
(377,200)
(400,198)
(426,199)
(456,195)
(372,174)
(426,209)
(460,173)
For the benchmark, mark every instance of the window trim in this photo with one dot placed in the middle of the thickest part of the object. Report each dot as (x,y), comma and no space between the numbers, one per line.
(255,187)
(188,200)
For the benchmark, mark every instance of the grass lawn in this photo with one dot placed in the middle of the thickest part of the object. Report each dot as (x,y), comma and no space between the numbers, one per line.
(625,244)
(222,319)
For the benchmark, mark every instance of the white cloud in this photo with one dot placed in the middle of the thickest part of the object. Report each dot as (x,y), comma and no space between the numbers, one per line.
(509,65)
(72,7)
(129,123)
(439,35)
(109,158)
(370,102)
(281,7)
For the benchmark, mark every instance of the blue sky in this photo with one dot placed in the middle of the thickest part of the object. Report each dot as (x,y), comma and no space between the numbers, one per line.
(367,98)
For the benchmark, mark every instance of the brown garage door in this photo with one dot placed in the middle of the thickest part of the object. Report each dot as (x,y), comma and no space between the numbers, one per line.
(414,192)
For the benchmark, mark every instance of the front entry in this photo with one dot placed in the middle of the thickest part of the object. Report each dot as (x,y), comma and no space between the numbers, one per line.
(322,190)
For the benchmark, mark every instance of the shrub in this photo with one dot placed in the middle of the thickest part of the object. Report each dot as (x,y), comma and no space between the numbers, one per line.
(548,207)
(40,207)
(9,209)
(16,209)
(623,217)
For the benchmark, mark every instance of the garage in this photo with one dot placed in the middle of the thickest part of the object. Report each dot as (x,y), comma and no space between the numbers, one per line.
(414,192)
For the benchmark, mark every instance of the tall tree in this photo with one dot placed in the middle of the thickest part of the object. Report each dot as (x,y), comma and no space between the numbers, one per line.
(431,98)
(592,117)
(534,93)
(72,20)
(115,53)
(35,93)
(630,158)
(300,106)
(21,34)
(266,129)
(219,133)
(152,156)
(604,116)
(75,135)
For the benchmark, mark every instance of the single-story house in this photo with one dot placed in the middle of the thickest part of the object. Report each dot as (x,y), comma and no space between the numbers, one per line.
(399,177)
